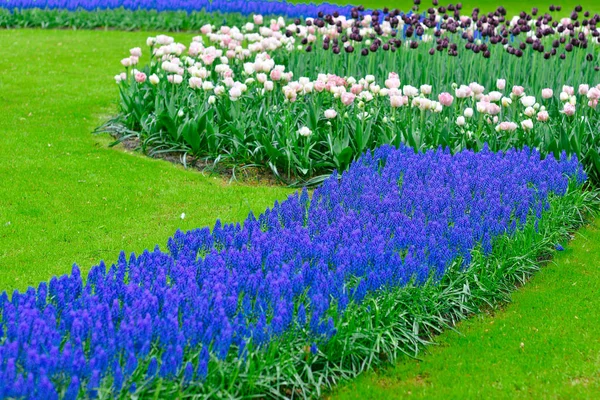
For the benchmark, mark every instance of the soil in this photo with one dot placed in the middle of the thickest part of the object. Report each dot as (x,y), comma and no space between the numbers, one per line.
(244,174)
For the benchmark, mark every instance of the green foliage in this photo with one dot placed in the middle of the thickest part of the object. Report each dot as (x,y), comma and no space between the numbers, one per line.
(262,127)
(389,324)
(120,19)
(539,346)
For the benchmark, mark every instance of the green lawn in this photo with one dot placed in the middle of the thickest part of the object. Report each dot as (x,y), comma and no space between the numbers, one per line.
(545,344)
(65,197)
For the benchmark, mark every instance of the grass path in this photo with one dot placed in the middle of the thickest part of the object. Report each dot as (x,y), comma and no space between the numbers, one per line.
(64,196)
(545,344)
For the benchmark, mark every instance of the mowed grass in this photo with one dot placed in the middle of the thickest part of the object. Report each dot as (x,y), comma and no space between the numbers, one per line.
(545,344)
(65,197)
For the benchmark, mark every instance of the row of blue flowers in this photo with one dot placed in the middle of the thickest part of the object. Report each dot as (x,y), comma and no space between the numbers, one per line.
(395,216)
(245,7)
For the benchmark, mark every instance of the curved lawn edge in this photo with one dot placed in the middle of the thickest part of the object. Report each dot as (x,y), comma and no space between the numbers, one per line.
(541,345)
(389,325)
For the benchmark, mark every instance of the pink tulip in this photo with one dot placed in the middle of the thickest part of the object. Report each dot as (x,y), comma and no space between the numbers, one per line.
(568,90)
(543,116)
(208,59)
(493,109)
(136,52)
(206,29)
(320,86)
(569,109)
(396,101)
(446,99)
(547,93)
(584,89)
(593,94)
(463,92)
(392,83)
(258,19)
(140,77)
(356,89)
(518,90)
(276,74)
(348,98)
(507,126)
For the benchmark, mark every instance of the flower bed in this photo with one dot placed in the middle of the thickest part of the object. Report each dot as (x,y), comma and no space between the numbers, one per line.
(147,14)
(237,95)
(313,290)
(245,7)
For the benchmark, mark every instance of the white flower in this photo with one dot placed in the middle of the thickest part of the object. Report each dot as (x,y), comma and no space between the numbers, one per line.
(426,89)
(304,131)
(268,86)
(154,79)
(495,96)
(330,113)
(410,91)
(527,124)
(564,96)
(529,111)
(180,113)
(370,78)
(481,106)
(207,85)
(249,68)
(506,101)
(528,101)
(235,93)
(182,216)
(468,112)
(212,99)
(261,77)
(460,121)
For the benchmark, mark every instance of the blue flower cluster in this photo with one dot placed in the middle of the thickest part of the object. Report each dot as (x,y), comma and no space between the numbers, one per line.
(393,217)
(245,7)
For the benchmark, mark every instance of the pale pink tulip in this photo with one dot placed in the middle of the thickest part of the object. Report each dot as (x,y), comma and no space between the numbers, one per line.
(593,94)
(140,77)
(570,90)
(547,93)
(569,109)
(356,89)
(518,91)
(446,99)
(347,98)
(330,113)
(258,19)
(136,52)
